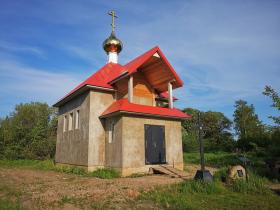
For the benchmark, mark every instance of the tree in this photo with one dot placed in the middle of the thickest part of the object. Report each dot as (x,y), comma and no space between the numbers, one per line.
(268,91)
(216,127)
(245,119)
(189,130)
(273,150)
(29,132)
(248,127)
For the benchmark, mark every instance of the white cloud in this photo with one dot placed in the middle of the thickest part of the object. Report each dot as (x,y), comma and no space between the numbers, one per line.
(19,81)
(11,47)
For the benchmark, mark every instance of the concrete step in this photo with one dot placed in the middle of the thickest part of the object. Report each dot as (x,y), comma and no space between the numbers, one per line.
(170,171)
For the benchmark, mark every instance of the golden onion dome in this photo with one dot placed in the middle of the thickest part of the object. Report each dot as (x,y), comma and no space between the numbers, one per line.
(112,44)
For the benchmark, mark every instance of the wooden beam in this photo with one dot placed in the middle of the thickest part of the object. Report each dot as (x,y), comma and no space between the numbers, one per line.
(170,95)
(130,89)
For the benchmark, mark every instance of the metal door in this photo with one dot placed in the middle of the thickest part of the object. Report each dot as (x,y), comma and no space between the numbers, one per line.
(155,144)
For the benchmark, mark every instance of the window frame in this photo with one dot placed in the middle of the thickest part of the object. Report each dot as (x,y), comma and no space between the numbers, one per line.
(111,132)
(70,121)
(77,119)
(65,123)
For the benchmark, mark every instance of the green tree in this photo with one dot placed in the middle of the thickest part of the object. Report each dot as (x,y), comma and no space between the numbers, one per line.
(245,119)
(273,150)
(29,132)
(250,130)
(189,130)
(269,91)
(216,127)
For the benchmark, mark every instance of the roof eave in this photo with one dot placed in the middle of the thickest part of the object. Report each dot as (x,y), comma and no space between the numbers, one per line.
(142,114)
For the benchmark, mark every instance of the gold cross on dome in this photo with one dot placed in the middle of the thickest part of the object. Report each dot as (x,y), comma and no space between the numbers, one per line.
(113,14)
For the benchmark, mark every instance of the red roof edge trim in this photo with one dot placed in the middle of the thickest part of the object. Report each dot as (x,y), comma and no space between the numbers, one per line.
(140,114)
(123,105)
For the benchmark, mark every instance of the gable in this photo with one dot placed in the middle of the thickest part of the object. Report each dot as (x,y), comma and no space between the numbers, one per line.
(153,64)
(156,69)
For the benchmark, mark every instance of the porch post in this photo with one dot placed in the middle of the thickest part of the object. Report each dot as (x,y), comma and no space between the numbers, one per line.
(130,89)
(170,95)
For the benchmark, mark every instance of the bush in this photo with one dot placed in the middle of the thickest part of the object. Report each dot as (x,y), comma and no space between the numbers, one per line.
(29,132)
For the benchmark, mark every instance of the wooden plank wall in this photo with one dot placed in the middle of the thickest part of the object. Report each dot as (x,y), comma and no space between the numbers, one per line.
(143,93)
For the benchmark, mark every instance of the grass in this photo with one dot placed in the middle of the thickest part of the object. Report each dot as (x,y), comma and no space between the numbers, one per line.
(105,173)
(48,165)
(8,205)
(252,194)
(223,159)
(219,159)
(235,195)
(9,198)
(254,185)
(215,195)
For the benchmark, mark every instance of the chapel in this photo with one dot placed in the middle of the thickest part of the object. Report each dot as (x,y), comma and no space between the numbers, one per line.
(122,116)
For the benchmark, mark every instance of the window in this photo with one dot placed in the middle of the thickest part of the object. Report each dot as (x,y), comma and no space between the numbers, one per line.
(111,132)
(64,123)
(70,125)
(77,122)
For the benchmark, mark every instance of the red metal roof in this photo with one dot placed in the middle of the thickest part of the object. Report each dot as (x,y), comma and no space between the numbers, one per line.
(123,105)
(111,71)
(102,76)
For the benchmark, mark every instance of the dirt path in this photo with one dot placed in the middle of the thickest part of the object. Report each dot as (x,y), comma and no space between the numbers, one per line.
(51,190)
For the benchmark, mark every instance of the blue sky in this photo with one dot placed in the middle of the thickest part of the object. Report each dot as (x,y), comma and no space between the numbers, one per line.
(223,50)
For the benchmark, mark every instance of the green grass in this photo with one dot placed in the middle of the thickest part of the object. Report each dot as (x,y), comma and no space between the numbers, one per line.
(8,205)
(240,194)
(215,195)
(253,194)
(255,184)
(105,173)
(219,159)
(9,197)
(48,165)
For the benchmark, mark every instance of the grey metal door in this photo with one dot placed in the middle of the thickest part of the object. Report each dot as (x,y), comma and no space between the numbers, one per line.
(154,144)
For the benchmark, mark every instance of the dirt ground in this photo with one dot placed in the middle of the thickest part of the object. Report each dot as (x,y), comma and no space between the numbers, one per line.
(35,189)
